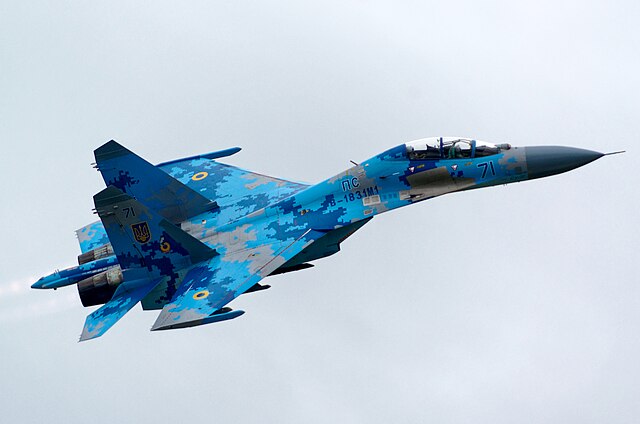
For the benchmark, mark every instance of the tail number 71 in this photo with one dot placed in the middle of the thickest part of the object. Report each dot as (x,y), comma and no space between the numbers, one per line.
(487,166)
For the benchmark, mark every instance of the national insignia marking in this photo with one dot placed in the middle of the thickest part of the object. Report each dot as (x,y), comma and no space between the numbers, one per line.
(141,232)
(201,295)
(200,176)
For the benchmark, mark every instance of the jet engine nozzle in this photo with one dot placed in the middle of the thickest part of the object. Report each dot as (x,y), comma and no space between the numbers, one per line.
(95,254)
(99,288)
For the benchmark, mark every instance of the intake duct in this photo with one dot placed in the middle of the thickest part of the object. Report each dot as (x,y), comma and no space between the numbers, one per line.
(100,288)
(95,254)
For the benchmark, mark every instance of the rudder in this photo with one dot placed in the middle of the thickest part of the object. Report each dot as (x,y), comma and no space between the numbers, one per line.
(145,243)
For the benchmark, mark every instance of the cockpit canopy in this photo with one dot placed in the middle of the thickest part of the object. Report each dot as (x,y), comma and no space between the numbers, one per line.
(451,148)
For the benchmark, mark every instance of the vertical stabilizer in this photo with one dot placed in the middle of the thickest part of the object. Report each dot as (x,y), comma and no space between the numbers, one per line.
(146,244)
(150,185)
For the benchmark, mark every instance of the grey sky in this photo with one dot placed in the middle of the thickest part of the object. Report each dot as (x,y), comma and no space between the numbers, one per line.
(511,304)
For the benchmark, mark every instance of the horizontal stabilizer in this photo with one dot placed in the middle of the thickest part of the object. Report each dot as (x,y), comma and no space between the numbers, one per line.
(126,296)
(150,185)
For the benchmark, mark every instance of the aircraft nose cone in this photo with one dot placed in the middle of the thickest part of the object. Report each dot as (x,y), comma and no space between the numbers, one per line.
(543,161)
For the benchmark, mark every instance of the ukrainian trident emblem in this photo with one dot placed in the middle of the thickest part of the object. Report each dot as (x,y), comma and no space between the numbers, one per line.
(141,232)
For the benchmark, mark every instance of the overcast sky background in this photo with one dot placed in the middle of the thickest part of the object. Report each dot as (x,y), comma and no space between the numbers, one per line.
(511,304)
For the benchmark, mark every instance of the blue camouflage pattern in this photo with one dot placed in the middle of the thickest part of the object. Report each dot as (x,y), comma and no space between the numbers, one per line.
(126,296)
(65,277)
(191,235)
(92,236)
(208,287)
(236,191)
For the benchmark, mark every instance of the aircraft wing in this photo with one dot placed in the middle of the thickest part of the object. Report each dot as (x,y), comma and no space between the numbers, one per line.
(211,285)
(183,188)
(237,192)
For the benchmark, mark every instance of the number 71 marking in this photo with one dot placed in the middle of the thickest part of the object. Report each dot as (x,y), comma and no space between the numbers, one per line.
(128,212)
(486,166)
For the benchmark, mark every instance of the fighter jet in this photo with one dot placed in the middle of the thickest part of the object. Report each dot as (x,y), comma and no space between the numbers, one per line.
(189,236)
